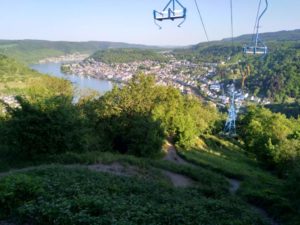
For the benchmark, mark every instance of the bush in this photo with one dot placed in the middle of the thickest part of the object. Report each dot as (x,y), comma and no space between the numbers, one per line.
(138,135)
(293,186)
(50,126)
(17,190)
(121,113)
(271,137)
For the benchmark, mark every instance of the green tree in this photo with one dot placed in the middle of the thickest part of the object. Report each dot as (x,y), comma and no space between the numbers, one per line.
(270,136)
(48,127)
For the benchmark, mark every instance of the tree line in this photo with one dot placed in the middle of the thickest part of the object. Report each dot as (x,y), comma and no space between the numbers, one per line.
(134,119)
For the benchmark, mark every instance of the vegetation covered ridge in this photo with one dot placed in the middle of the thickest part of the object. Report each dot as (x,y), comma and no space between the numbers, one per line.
(127,55)
(129,126)
(31,51)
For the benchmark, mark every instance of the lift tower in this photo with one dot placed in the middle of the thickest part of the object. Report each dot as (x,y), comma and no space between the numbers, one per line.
(230,126)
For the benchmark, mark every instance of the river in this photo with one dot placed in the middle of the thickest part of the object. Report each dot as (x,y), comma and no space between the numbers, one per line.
(79,82)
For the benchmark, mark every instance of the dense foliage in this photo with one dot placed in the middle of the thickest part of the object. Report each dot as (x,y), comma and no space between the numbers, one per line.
(132,119)
(73,196)
(182,117)
(50,126)
(210,53)
(273,138)
(288,109)
(277,76)
(127,55)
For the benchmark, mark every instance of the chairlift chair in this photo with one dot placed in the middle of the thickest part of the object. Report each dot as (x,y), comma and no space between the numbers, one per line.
(173,10)
(256,50)
(257,47)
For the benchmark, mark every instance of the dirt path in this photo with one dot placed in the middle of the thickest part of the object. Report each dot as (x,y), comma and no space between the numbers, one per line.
(114,168)
(183,181)
(172,156)
(118,169)
(234,185)
(179,180)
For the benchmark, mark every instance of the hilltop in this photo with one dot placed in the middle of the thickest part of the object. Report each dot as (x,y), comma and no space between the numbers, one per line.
(285,35)
(127,55)
(31,51)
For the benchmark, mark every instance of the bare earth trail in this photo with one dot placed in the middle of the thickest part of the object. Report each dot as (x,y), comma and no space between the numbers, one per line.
(172,156)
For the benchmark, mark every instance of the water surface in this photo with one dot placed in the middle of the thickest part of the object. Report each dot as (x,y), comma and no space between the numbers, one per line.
(79,82)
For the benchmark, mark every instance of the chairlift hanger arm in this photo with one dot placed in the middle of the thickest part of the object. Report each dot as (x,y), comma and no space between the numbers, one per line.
(258,22)
(257,46)
(263,13)
(174,3)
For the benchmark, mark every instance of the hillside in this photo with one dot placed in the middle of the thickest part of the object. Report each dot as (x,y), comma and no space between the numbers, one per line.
(30,51)
(275,76)
(292,35)
(216,51)
(127,55)
(14,75)
(143,154)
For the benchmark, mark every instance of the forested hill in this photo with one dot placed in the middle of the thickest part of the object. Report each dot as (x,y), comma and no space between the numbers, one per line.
(11,70)
(225,46)
(292,35)
(30,51)
(127,55)
(275,76)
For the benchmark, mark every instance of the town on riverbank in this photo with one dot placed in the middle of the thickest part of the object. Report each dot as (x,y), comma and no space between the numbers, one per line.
(188,77)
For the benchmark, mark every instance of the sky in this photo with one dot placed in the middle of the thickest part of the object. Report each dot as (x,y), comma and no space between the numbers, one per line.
(131,21)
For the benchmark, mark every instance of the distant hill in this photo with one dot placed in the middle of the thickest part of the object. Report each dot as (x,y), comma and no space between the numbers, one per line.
(30,51)
(216,51)
(127,55)
(276,76)
(292,35)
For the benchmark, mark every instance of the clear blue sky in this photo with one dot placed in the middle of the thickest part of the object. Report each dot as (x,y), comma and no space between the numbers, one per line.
(131,20)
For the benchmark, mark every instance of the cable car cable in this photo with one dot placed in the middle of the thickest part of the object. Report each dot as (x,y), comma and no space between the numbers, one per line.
(200,16)
(231,11)
(256,20)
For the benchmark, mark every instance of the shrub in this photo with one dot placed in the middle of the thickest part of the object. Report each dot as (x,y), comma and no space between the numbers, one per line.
(17,190)
(271,137)
(48,127)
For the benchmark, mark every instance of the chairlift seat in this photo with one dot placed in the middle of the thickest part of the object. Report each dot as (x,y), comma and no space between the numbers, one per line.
(173,10)
(251,50)
(169,15)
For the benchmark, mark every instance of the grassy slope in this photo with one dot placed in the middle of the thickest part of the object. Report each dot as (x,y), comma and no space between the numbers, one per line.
(258,186)
(14,75)
(224,159)
(75,196)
